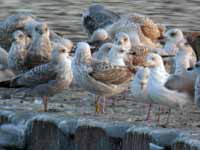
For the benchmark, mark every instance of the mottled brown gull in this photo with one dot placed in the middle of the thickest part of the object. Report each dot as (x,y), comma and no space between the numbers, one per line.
(99,78)
(39,51)
(47,79)
(12,23)
(18,52)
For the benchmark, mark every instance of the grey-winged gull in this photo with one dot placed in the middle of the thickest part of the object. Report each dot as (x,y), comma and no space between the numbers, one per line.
(156,89)
(47,79)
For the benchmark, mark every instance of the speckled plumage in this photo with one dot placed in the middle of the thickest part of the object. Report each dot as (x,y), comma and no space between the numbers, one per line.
(39,51)
(18,52)
(11,24)
(47,79)
(94,76)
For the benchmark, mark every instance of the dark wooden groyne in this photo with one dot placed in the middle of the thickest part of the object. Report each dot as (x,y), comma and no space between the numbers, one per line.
(33,131)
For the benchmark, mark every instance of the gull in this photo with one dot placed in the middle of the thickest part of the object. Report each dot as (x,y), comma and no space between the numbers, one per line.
(98,38)
(173,37)
(18,52)
(47,79)
(186,71)
(141,30)
(135,54)
(96,16)
(39,51)
(56,39)
(139,88)
(102,53)
(97,77)
(156,89)
(12,23)
(122,39)
(184,58)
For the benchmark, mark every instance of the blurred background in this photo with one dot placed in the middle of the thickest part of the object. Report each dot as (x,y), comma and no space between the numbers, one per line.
(64,16)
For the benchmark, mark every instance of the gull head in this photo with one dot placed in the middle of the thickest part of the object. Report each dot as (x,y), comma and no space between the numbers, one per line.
(153,60)
(117,55)
(174,35)
(59,53)
(105,48)
(122,39)
(41,29)
(19,37)
(82,52)
(68,44)
(99,35)
(142,76)
(184,46)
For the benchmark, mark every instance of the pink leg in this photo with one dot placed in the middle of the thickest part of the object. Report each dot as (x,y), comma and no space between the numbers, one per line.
(159,109)
(168,117)
(148,117)
(103,104)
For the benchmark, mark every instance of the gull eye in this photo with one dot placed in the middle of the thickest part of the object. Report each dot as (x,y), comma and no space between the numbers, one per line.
(153,58)
(121,51)
(125,39)
(46,29)
(63,50)
(36,29)
(173,34)
(21,36)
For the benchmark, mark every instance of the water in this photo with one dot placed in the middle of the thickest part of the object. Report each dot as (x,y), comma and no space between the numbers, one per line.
(64,16)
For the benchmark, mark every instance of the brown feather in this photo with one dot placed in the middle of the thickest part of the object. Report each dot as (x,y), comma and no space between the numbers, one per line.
(110,74)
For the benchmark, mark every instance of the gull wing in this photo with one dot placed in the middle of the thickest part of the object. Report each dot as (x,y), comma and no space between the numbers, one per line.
(109,74)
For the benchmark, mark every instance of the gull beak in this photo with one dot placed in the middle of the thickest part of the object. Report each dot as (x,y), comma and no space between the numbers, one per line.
(162,39)
(143,83)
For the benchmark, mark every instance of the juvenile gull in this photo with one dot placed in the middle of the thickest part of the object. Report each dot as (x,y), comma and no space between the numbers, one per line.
(99,78)
(47,79)
(18,52)
(12,23)
(141,30)
(156,88)
(39,51)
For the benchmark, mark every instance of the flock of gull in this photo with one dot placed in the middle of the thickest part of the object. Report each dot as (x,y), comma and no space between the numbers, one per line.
(122,52)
